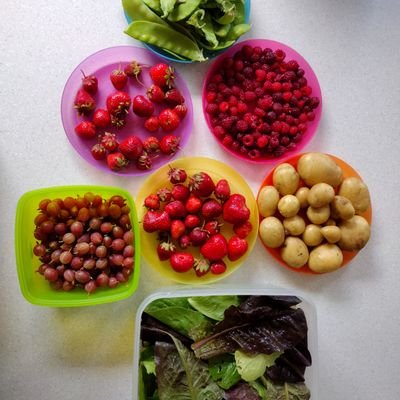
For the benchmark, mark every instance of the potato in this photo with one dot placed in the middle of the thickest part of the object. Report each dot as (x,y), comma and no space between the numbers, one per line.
(318,215)
(357,192)
(331,233)
(325,258)
(286,179)
(267,201)
(312,235)
(294,252)
(330,222)
(271,232)
(294,225)
(320,195)
(288,206)
(355,233)
(342,208)
(317,168)
(301,195)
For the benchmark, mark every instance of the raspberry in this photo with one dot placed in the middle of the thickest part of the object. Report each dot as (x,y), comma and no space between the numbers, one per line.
(227,123)
(217,78)
(242,126)
(260,75)
(293,130)
(233,101)
(248,72)
(210,96)
(219,131)
(285,127)
(262,141)
(259,92)
(242,107)
(310,116)
(276,86)
(233,111)
(264,128)
(227,140)
(267,86)
(235,145)
(287,96)
(227,63)
(286,86)
(256,135)
(274,142)
(297,137)
(280,55)
(271,116)
(238,65)
(223,107)
(302,128)
(212,109)
(265,103)
(254,154)
(279,151)
(292,65)
(271,76)
(297,94)
(306,90)
(248,140)
(250,96)
(259,112)
(247,51)
(303,117)
(276,126)
(284,140)
(235,90)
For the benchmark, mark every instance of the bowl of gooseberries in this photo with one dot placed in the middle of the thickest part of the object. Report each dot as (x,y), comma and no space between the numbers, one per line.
(77,245)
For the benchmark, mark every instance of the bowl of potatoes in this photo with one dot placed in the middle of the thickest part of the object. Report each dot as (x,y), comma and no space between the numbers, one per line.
(315,213)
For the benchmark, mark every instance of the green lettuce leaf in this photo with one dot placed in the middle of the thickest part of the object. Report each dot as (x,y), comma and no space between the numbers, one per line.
(285,391)
(213,306)
(260,388)
(253,366)
(223,370)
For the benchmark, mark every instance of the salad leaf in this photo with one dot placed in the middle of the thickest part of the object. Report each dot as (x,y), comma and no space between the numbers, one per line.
(213,306)
(260,388)
(286,391)
(223,370)
(253,366)
(242,391)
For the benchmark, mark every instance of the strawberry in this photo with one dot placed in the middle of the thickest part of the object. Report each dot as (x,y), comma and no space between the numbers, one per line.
(155,94)
(98,151)
(86,130)
(169,120)
(184,241)
(89,83)
(198,236)
(175,209)
(118,120)
(131,147)
(118,78)
(212,227)
(162,75)
(164,194)
(211,209)
(235,209)
(84,102)
(192,221)
(243,229)
(215,248)
(177,229)
(174,97)
(152,202)
(236,247)
(144,162)
(180,192)
(177,175)
(222,190)
(201,184)
(201,266)
(193,204)
(181,261)
(118,103)
(181,110)
(116,161)
(218,267)
(142,106)
(109,141)
(101,118)
(165,250)
(169,144)
(151,124)
(133,70)
(151,145)
(154,221)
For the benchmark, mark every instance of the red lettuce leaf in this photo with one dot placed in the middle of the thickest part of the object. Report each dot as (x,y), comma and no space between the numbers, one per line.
(242,391)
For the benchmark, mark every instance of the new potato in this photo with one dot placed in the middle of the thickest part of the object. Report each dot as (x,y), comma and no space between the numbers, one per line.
(355,233)
(319,215)
(312,235)
(267,201)
(320,195)
(342,208)
(286,179)
(294,252)
(302,195)
(331,233)
(325,258)
(294,226)
(357,192)
(272,232)
(288,206)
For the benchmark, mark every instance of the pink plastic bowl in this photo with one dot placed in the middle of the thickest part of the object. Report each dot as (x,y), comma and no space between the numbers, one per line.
(101,64)
(309,74)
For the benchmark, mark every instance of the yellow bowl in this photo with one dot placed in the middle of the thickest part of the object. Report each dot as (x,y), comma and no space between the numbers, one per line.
(217,170)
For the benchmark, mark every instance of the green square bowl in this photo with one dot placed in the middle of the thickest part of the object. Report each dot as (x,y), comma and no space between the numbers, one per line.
(33,286)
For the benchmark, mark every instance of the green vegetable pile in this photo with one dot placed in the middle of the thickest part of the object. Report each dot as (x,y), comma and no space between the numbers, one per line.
(187,29)
(224,348)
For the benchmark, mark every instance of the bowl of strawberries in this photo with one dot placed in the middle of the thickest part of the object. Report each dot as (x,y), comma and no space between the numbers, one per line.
(198,220)
(125,111)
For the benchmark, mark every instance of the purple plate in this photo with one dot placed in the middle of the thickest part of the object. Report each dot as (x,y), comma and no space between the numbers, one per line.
(102,64)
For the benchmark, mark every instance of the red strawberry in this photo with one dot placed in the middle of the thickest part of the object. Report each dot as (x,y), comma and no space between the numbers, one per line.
(116,161)
(89,83)
(211,209)
(192,221)
(162,75)
(118,78)
(118,103)
(156,221)
(151,145)
(84,102)
(222,190)
(198,236)
(168,120)
(184,241)
(212,227)
(180,192)
(201,266)
(152,202)
(155,94)
(101,118)
(181,261)
(236,247)
(86,130)
(151,124)
(218,267)
(109,141)
(181,110)
(201,184)
(144,162)
(193,204)
(215,248)
(235,209)
(243,229)
(165,250)
(142,106)
(118,120)
(177,175)
(177,229)
(133,70)
(98,151)
(131,147)
(164,194)
(174,97)
(175,209)
(169,144)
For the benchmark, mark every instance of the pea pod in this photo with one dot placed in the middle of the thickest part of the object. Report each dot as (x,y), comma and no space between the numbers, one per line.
(166,38)
(237,31)
(222,30)
(137,10)
(221,45)
(228,17)
(154,5)
(207,29)
(183,10)
(240,12)
(167,6)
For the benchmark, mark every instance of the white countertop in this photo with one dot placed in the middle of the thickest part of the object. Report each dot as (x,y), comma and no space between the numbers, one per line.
(86,353)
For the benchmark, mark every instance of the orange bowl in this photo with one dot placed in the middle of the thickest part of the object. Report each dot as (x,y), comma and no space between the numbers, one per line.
(348,171)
